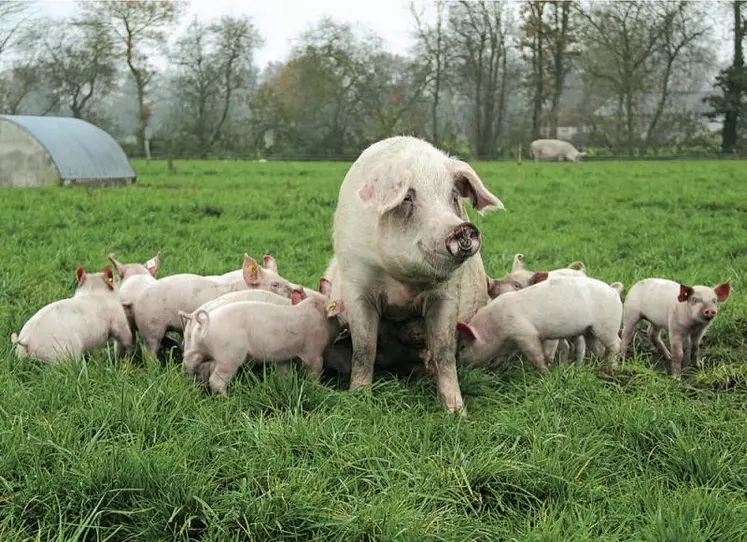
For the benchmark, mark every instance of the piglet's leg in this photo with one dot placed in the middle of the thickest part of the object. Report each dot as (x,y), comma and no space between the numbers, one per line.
(551,347)
(654,334)
(579,345)
(629,322)
(225,370)
(531,346)
(314,365)
(123,337)
(676,341)
(696,337)
(564,351)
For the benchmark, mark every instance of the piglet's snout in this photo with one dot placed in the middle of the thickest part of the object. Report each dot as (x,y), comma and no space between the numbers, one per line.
(464,241)
(709,314)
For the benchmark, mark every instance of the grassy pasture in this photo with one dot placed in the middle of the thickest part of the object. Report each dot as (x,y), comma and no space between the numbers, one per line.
(94,451)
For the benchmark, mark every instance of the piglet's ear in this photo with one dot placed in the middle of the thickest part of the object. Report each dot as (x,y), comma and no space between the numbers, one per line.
(335,307)
(578,265)
(297,295)
(491,285)
(325,287)
(685,293)
(117,265)
(81,274)
(538,277)
(108,277)
(466,331)
(470,186)
(153,264)
(251,271)
(518,264)
(387,191)
(270,263)
(723,291)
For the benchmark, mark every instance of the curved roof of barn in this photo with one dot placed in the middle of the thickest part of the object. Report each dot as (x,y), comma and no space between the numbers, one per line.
(79,149)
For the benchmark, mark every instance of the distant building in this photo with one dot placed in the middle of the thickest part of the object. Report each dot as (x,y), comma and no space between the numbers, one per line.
(38,151)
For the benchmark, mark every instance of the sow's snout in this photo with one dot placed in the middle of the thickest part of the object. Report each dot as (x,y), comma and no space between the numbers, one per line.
(464,241)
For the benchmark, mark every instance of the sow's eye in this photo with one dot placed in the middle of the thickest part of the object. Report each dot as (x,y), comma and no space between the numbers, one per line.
(408,204)
(455,199)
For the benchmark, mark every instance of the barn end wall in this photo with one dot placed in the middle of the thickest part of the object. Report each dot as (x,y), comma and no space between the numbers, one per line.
(23,161)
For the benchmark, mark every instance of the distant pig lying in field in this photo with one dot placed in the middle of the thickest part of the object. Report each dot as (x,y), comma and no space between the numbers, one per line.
(686,311)
(158,305)
(557,308)
(403,241)
(71,327)
(133,279)
(555,149)
(231,334)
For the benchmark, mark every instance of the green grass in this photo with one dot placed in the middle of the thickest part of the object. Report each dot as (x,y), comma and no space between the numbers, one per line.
(95,451)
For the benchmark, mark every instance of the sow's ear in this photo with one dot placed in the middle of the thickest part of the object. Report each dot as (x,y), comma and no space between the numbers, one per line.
(385,192)
(470,186)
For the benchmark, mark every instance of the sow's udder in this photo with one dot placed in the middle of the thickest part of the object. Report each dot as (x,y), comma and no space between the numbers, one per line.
(464,241)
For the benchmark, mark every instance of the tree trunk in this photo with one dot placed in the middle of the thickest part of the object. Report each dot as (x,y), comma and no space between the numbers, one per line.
(629,120)
(538,61)
(561,40)
(729,134)
(434,106)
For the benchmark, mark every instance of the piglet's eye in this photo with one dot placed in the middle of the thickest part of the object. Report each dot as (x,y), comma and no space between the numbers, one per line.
(410,196)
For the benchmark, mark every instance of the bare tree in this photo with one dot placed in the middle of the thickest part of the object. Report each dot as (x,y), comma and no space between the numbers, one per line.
(11,22)
(21,80)
(732,82)
(620,40)
(432,44)
(394,88)
(478,38)
(560,36)
(214,62)
(78,63)
(681,27)
(137,27)
(237,38)
(535,28)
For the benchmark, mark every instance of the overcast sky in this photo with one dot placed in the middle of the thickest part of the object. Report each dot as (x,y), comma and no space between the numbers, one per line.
(279,21)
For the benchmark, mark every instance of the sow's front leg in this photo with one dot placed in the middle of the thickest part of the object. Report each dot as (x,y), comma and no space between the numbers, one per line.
(363,320)
(440,321)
